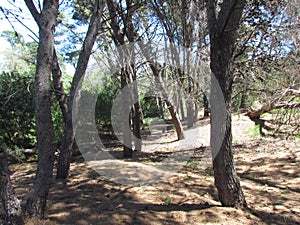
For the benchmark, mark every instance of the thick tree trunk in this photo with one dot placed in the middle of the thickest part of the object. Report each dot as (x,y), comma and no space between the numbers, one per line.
(222,28)
(36,202)
(63,165)
(10,208)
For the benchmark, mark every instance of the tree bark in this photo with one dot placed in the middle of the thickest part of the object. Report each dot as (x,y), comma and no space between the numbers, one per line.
(36,202)
(58,86)
(205,105)
(63,165)
(10,207)
(222,28)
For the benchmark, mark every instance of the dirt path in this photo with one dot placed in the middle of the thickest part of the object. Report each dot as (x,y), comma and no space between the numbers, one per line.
(268,169)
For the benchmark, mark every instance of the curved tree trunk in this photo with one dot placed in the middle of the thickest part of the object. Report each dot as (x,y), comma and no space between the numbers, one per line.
(63,165)
(10,208)
(222,28)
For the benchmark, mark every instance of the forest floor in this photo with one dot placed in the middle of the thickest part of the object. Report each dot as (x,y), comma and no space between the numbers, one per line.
(268,169)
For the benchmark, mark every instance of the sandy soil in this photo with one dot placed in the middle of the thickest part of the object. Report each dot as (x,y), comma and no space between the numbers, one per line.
(268,169)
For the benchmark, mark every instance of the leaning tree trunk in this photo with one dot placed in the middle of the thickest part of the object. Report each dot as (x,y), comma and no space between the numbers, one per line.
(172,110)
(36,202)
(63,165)
(10,208)
(222,28)
(163,92)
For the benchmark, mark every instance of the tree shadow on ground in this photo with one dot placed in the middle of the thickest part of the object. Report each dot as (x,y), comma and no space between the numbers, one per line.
(272,180)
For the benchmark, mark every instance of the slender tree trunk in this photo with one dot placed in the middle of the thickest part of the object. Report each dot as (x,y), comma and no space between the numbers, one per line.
(58,87)
(205,105)
(161,107)
(164,93)
(244,94)
(181,105)
(36,202)
(136,119)
(63,165)
(196,112)
(190,104)
(170,105)
(10,207)
(223,29)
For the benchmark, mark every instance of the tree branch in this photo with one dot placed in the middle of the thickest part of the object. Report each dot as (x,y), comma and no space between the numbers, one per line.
(34,12)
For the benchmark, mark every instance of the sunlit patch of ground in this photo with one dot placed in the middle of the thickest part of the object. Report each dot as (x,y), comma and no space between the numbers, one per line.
(268,169)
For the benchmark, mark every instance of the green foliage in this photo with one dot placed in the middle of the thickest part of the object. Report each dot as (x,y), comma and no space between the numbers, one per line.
(17,115)
(107,93)
(21,56)
(193,164)
(150,107)
(254,131)
(167,201)
(58,123)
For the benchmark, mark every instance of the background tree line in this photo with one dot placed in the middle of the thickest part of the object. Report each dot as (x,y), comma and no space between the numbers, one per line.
(251,48)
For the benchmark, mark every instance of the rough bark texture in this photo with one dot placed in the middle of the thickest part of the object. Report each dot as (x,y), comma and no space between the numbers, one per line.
(63,165)
(58,87)
(222,28)
(36,202)
(10,208)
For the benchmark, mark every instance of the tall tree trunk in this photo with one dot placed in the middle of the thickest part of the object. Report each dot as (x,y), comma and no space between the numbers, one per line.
(63,165)
(10,207)
(36,202)
(222,28)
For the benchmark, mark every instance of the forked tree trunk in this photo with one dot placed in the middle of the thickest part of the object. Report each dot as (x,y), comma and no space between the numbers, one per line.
(222,28)
(10,208)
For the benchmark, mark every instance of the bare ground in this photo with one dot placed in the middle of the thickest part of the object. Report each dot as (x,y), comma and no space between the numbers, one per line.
(268,169)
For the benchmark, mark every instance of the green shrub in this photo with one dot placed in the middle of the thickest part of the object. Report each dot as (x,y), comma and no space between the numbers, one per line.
(17,114)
